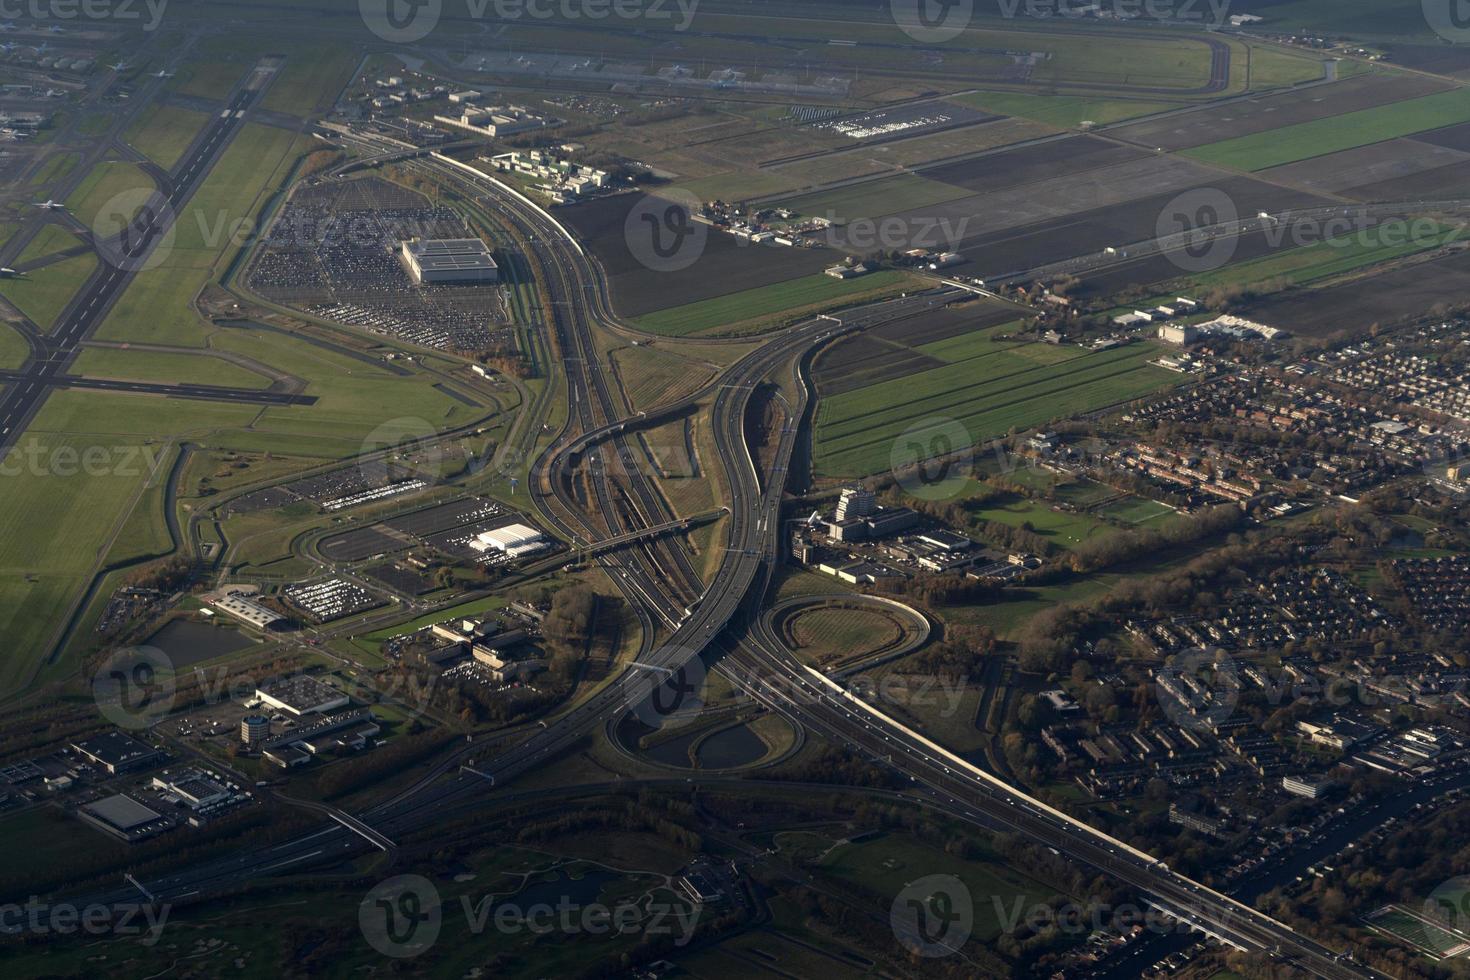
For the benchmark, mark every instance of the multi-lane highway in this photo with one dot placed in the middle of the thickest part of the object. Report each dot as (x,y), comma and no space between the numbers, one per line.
(657,579)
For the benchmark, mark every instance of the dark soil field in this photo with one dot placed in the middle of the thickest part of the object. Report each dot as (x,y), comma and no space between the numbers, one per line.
(951,321)
(1250,116)
(1441,183)
(1451,137)
(727,264)
(866,360)
(1160,268)
(1090,231)
(1031,164)
(1364,166)
(1355,306)
(1440,59)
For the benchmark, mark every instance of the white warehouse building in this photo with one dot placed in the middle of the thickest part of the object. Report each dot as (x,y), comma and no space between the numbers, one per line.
(513,540)
(450,260)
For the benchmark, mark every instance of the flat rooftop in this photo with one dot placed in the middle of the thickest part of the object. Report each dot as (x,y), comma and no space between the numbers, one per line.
(451,254)
(122,812)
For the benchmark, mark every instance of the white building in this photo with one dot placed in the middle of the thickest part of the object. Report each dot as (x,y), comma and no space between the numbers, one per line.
(513,540)
(450,260)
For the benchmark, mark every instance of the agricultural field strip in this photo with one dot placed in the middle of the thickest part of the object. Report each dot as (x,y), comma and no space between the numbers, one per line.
(956,385)
(1320,137)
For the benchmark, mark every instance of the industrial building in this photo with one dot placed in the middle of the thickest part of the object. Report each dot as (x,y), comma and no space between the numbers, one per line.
(116,752)
(450,260)
(495,120)
(513,540)
(124,818)
(247,610)
(301,695)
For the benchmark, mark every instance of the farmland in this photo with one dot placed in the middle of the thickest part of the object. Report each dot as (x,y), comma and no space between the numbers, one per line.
(1319,137)
(726,265)
(990,394)
(753,307)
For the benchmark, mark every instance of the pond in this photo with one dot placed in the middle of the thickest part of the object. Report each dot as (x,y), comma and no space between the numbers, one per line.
(187,642)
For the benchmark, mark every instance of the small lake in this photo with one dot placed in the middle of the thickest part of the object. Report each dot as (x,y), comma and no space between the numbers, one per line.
(187,642)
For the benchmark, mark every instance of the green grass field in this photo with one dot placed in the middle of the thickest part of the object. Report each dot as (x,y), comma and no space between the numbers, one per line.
(44,293)
(806,294)
(1066,111)
(888,863)
(139,365)
(165,132)
(94,196)
(1062,527)
(13,347)
(1322,260)
(990,394)
(1320,137)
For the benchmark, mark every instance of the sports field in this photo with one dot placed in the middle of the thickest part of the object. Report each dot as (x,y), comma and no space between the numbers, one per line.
(1418,931)
(990,394)
(1319,137)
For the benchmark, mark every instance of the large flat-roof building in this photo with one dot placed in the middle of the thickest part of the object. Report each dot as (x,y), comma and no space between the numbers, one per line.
(117,752)
(513,540)
(450,260)
(301,695)
(247,610)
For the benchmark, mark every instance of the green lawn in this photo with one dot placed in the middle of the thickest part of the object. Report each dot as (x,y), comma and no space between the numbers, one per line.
(1066,111)
(1321,260)
(990,394)
(13,347)
(139,365)
(889,863)
(1320,137)
(165,132)
(94,197)
(1063,527)
(43,294)
(724,312)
